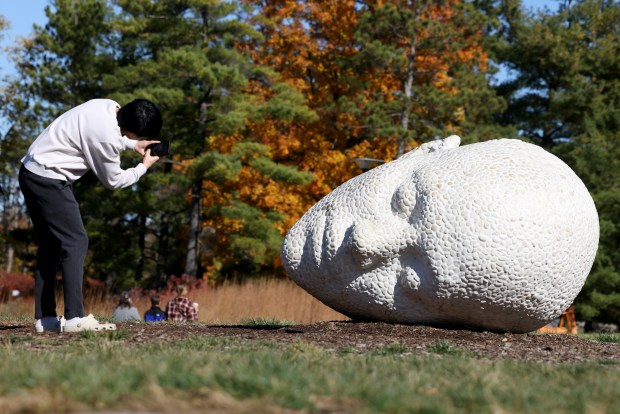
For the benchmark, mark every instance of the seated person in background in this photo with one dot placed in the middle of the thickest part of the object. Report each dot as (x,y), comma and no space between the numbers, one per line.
(125,311)
(155,314)
(181,308)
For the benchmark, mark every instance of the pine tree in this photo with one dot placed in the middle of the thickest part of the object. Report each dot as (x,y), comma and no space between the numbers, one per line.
(433,54)
(185,56)
(8,192)
(59,67)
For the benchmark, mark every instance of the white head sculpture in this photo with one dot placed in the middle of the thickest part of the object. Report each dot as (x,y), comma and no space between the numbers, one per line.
(498,235)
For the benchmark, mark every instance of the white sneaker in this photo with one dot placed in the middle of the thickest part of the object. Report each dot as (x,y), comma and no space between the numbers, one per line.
(49,324)
(87,323)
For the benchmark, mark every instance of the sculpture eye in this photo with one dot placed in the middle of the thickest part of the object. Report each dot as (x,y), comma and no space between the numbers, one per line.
(404,200)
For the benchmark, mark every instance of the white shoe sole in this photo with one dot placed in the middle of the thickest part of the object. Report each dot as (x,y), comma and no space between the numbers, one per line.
(89,323)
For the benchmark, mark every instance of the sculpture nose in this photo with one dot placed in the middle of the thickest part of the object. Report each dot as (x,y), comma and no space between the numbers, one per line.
(372,242)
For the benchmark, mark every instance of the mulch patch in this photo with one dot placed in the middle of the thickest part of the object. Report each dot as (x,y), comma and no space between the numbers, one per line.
(351,336)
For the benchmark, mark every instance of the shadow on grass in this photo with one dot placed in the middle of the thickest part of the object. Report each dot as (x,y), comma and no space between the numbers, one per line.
(9,327)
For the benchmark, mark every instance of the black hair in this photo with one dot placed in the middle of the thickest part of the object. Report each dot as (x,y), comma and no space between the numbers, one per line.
(141,117)
(125,300)
(155,299)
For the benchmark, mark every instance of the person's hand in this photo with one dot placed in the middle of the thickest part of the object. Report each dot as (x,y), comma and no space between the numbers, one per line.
(140,147)
(195,304)
(148,160)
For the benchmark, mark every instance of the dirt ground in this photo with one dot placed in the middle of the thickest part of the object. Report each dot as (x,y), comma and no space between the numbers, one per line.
(350,336)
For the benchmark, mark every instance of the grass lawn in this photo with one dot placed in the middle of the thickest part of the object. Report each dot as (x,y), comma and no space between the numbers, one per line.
(100,372)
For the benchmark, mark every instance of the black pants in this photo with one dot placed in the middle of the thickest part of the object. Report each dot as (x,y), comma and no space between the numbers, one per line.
(61,237)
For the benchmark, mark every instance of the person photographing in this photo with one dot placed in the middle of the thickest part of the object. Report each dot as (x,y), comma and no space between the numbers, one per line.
(90,136)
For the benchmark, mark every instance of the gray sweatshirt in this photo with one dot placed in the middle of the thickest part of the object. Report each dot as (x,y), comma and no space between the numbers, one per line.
(83,138)
(126,314)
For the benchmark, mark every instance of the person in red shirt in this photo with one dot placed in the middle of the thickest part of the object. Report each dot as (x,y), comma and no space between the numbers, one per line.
(181,308)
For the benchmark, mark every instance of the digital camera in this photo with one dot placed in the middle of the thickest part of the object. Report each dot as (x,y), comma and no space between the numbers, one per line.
(160,149)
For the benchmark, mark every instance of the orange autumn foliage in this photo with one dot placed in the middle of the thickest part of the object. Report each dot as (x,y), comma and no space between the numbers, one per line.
(310,44)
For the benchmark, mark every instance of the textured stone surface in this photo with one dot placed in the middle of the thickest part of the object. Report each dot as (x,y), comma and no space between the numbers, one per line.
(498,235)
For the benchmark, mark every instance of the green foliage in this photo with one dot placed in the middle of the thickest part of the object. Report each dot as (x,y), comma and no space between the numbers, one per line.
(442,347)
(280,172)
(247,151)
(59,67)
(257,156)
(66,60)
(8,317)
(563,63)
(215,166)
(276,323)
(257,242)
(183,55)
(286,104)
(607,337)
(443,91)
(116,335)
(4,24)
(392,349)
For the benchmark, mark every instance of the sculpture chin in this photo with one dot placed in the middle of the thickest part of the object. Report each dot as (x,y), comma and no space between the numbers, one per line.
(499,236)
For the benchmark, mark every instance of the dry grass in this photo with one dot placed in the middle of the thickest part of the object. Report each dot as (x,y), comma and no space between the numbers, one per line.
(256,299)
(227,304)
(265,299)
(21,308)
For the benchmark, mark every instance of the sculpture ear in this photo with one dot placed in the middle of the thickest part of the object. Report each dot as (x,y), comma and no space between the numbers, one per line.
(404,200)
(452,141)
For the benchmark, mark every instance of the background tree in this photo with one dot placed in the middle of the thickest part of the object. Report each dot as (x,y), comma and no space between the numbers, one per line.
(57,68)
(10,206)
(433,54)
(183,55)
(378,74)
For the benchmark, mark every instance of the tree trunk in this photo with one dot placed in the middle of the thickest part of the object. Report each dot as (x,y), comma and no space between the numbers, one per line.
(407,96)
(192,257)
(141,245)
(162,251)
(10,212)
(10,254)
